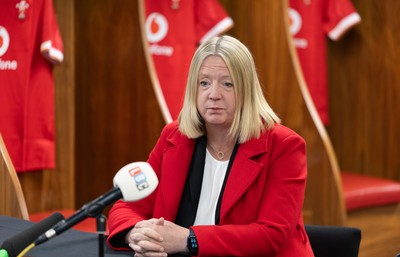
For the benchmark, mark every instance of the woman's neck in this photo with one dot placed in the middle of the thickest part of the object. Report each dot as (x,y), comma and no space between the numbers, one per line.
(220,145)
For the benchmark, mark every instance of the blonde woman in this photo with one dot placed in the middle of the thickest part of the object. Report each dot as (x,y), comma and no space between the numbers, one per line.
(232,178)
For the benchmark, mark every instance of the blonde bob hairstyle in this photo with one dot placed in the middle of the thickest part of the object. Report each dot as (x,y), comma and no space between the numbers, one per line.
(253,114)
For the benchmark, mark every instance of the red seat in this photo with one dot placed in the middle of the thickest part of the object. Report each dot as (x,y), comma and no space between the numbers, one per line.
(87,225)
(361,191)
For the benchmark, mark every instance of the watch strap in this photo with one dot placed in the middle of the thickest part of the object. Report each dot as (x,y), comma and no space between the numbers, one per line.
(192,244)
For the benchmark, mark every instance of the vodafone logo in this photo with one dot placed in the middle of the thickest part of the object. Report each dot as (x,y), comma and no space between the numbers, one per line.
(156,27)
(4,44)
(295,24)
(4,41)
(295,21)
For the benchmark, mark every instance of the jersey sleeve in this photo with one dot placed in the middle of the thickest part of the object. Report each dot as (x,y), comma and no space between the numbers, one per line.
(51,46)
(339,18)
(211,19)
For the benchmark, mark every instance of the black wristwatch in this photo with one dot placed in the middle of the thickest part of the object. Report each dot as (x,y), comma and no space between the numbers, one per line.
(192,245)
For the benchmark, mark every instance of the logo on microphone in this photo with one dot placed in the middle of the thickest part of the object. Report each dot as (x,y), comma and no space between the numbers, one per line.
(140,178)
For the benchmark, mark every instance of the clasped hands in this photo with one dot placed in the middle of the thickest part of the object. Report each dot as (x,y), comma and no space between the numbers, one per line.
(157,238)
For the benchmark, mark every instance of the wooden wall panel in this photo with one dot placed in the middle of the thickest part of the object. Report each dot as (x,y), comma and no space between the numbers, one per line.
(262,26)
(117,117)
(364,78)
(107,114)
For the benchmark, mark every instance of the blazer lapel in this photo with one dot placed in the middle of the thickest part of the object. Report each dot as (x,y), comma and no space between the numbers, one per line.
(244,172)
(191,193)
(176,161)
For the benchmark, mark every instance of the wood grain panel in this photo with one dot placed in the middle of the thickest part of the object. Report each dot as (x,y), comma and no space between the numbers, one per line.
(107,115)
(364,83)
(380,228)
(117,117)
(263,27)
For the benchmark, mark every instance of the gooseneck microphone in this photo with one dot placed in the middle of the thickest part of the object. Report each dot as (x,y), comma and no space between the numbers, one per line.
(132,182)
(14,245)
(91,209)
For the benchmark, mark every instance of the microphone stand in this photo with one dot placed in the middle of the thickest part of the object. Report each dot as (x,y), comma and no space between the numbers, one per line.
(101,229)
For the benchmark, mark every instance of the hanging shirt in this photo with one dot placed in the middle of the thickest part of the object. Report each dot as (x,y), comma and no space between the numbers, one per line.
(174,28)
(30,43)
(310,22)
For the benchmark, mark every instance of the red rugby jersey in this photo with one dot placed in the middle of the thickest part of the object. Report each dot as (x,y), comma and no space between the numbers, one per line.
(30,43)
(310,22)
(174,28)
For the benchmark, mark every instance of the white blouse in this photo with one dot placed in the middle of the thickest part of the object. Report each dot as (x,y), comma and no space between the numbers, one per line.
(213,178)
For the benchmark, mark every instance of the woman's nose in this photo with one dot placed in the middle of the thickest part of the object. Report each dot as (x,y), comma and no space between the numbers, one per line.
(214,93)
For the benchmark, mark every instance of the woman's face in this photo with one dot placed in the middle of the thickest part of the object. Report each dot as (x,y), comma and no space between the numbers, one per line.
(216,97)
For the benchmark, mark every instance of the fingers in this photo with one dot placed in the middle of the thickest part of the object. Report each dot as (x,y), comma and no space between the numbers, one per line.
(145,240)
(149,229)
(150,255)
(160,221)
(152,221)
(147,248)
(145,233)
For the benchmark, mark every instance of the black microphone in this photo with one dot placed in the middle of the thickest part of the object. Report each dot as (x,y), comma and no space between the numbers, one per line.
(16,244)
(132,182)
(91,209)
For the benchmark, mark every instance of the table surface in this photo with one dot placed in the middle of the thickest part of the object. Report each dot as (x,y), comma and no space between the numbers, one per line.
(70,243)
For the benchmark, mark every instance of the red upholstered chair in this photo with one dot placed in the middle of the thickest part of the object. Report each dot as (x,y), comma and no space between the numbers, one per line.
(372,204)
(362,191)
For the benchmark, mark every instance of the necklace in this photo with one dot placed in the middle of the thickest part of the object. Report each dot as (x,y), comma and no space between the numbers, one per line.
(220,154)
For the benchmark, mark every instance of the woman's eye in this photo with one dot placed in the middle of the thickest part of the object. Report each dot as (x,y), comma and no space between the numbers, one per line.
(228,84)
(203,83)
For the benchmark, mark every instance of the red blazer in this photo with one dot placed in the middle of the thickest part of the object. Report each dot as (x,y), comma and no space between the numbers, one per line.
(261,210)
